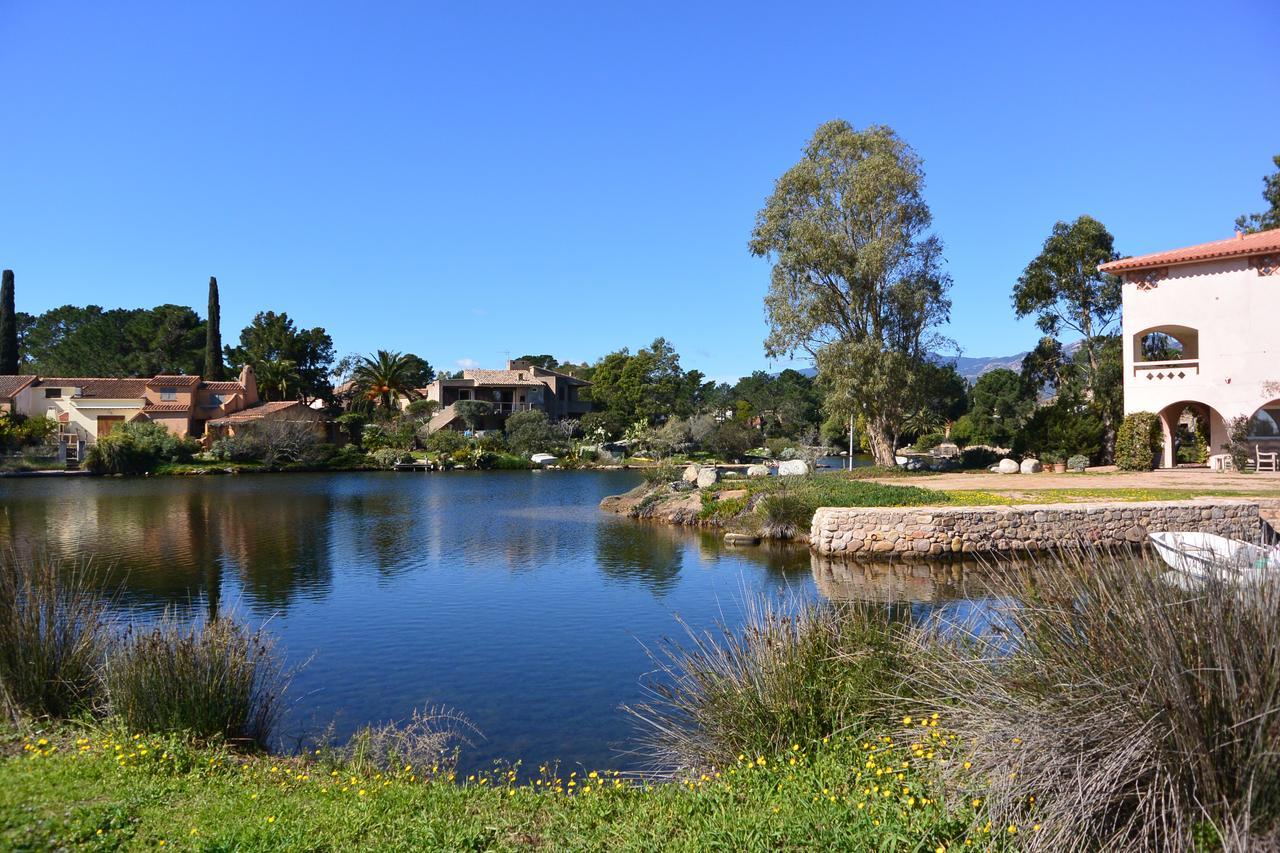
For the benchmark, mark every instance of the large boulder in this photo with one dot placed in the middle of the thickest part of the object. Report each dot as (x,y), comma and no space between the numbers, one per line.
(690,474)
(794,468)
(1007,466)
(758,471)
(1031,466)
(707,476)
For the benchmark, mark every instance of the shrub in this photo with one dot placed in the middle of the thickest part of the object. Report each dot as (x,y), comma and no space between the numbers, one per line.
(1238,444)
(797,672)
(783,515)
(530,432)
(17,431)
(421,408)
(1078,463)
(1135,713)
(444,441)
(388,457)
(978,457)
(236,448)
(1138,442)
(777,447)
(661,474)
(216,679)
(929,441)
(137,448)
(473,412)
(731,440)
(352,425)
(53,636)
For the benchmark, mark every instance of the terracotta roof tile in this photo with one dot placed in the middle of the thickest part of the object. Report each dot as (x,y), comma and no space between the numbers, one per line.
(257,412)
(170,379)
(1260,243)
(165,407)
(232,386)
(502,377)
(11,385)
(107,387)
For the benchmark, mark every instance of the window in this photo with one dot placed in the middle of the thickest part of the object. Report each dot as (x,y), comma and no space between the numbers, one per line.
(1266,423)
(52,393)
(169,395)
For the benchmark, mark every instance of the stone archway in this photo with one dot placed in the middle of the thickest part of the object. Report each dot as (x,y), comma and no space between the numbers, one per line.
(1187,422)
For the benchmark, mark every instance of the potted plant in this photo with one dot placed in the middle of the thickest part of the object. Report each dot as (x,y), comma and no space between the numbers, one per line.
(1053,460)
(1076,464)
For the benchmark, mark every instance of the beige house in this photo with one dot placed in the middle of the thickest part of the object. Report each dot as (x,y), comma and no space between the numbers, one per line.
(521,387)
(1202,336)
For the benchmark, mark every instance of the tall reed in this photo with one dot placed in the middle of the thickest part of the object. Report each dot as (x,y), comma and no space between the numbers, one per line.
(797,671)
(429,741)
(215,678)
(1129,713)
(53,635)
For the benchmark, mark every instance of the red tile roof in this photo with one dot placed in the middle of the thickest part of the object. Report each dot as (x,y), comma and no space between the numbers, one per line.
(181,379)
(223,386)
(11,385)
(109,388)
(522,378)
(151,408)
(257,412)
(1260,243)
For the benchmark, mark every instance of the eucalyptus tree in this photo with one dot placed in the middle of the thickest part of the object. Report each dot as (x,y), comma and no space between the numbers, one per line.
(857,279)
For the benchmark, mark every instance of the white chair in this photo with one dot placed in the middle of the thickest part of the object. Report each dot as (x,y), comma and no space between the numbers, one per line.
(1265,461)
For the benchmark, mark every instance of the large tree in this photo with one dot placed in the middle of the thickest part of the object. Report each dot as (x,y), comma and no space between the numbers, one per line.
(1269,218)
(385,377)
(213,366)
(648,386)
(273,339)
(8,326)
(857,280)
(1064,289)
(91,341)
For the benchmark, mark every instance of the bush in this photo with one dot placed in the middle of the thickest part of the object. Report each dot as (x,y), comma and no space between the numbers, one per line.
(352,425)
(137,448)
(17,431)
(421,408)
(1138,442)
(217,679)
(1078,463)
(797,672)
(777,447)
(236,448)
(389,457)
(929,441)
(661,474)
(731,440)
(783,515)
(978,457)
(1238,444)
(444,441)
(530,432)
(1133,712)
(53,636)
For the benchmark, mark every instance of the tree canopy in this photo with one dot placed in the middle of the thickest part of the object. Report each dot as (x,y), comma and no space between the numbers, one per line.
(385,377)
(857,280)
(1270,218)
(647,386)
(91,341)
(274,346)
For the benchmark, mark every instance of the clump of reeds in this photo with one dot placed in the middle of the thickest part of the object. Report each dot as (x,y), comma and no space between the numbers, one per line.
(783,515)
(1121,712)
(215,678)
(798,671)
(54,634)
(428,741)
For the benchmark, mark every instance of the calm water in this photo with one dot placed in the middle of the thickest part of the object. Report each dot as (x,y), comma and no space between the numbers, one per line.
(506,595)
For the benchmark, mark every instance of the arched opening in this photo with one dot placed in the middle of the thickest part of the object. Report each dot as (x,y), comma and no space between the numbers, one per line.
(1192,430)
(1265,423)
(1166,343)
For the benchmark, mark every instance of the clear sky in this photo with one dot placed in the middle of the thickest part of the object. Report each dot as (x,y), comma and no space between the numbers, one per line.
(463,179)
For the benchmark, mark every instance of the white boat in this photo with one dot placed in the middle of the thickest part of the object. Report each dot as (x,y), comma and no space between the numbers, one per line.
(1196,557)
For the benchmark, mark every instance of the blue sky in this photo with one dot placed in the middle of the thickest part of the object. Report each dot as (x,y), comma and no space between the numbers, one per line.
(460,180)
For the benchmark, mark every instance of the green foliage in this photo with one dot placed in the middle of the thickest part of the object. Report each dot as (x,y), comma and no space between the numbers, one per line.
(446,441)
(929,440)
(1138,442)
(421,408)
(1238,444)
(473,412)
(1001,403)
(289,362)
(1062,428)
(138,447)
(857,279)
(8,326)
(530,432)
(648,386)
(1078,463)
(214,369)
(53,636)
(788,404)
(979,457)
(731,440)
(90,341)
(783,515)
(214,679)
(236,448)
(17,431)
(352,424)
(1269,218)
(389,457)
(385,377)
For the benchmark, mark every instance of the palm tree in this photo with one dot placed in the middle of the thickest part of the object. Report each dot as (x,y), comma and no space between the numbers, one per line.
(385,378)
(275,376)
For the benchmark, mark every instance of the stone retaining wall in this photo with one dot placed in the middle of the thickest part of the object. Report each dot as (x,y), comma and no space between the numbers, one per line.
(933,531)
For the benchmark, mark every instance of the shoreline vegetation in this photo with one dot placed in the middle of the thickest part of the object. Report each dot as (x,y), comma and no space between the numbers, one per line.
(1127,714)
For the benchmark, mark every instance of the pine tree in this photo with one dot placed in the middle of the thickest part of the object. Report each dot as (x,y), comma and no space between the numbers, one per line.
(8,326)
(213,336)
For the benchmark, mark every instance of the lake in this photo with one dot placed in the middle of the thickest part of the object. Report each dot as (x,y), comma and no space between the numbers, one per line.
(508,596)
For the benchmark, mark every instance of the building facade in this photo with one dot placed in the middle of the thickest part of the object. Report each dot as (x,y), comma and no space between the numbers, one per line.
(1202,337)
(521,387)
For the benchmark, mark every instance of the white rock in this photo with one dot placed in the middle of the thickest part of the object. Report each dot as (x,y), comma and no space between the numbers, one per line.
(758,471)
(901,460)
(542,459)
(707,476)
(794,468)
(1007,466)
(1031,466)
(690,474)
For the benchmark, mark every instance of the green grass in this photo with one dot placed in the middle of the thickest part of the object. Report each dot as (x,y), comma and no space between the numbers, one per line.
(106,791)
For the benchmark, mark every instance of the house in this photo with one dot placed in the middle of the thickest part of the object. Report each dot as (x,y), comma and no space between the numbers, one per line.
(521,387)
(276,412)
(87,408)
(1202,335)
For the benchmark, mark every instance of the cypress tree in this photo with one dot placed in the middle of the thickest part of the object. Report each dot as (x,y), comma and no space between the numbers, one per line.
(213,336)
(8,326)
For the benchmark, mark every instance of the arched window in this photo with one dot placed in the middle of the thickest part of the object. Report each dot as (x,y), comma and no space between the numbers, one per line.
(1166,343)
(1265,422)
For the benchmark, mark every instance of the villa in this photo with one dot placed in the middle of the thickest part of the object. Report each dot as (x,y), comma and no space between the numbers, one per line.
(88,408)
(1202,336)
(521,387)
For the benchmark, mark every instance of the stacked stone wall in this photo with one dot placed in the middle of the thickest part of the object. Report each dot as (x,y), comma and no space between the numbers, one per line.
(935,531)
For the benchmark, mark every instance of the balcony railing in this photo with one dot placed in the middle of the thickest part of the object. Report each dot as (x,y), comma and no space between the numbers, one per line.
(1165,370)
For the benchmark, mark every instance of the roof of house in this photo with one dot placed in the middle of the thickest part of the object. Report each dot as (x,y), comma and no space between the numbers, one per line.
(502,377)
(258,412)
(180,379)
(106,387)
(153,408)
(1260,243)
(10,385)
(222,386)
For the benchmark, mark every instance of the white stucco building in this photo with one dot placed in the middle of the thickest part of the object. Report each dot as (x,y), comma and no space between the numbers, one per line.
(1219,306)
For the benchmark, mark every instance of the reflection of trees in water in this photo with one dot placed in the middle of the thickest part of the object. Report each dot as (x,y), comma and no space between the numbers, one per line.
(910,581)
(639,553)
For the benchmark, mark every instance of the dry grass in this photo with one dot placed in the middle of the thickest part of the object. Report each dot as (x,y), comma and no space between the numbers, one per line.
(54,634)
(430,738)
(1128,714)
